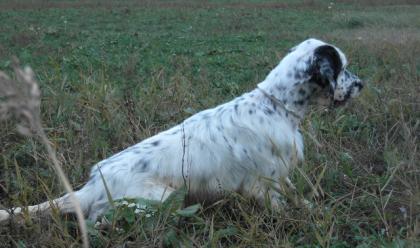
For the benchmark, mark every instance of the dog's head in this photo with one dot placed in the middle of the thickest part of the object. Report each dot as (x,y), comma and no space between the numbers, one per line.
(325,65)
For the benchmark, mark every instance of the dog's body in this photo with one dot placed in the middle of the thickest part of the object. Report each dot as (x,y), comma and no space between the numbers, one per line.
(235,146)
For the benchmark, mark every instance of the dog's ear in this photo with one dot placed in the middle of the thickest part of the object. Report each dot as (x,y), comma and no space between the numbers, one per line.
(327,66)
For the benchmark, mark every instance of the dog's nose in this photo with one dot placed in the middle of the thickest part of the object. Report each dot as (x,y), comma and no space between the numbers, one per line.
(355,80)
(358,84)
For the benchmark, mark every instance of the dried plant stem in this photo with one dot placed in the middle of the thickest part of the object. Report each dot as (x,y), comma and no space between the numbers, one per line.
(21,98)
(52,155)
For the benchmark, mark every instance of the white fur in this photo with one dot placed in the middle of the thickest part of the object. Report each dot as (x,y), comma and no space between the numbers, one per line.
(244,145)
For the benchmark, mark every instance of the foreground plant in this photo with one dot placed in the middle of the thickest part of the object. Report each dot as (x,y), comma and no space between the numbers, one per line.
(20,99)
(146,220)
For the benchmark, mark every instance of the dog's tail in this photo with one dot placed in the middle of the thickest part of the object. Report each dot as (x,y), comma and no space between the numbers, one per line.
(62,204)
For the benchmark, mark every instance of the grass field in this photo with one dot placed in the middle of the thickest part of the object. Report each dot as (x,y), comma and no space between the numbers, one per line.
(114,73)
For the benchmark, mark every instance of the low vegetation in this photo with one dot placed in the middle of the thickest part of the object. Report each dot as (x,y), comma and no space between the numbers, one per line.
(114,73)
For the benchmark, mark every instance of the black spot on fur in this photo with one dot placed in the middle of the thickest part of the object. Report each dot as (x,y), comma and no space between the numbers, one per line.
(230,147)
(358,85)
(268,111)
(308,63)
(347,95)
(213,138)
(136,151)
(302,92)
(346,74)
(298,75)
(250,111)
(101,197)
(236,108)
(274,106)
(145,165)
(140,166)
(281,88)
(155,143)
(299,102)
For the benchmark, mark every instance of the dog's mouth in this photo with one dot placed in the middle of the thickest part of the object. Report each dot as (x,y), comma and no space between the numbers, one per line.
(337,103)
(343,100)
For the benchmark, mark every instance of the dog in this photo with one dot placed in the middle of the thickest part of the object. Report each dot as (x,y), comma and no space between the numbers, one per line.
(245,145)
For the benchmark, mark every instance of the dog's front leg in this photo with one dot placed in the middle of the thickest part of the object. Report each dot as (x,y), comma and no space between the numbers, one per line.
(277,194)
(265,193)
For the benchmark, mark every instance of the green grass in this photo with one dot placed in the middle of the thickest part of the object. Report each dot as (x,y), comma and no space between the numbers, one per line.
(113,75)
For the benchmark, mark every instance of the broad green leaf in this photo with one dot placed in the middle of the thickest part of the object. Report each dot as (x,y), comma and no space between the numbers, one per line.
(189,211)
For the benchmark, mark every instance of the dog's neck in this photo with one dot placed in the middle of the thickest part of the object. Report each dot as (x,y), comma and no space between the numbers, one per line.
(292,96)
(289,83)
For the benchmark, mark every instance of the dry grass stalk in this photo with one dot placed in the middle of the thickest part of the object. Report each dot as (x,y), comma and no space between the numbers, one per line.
(20,99)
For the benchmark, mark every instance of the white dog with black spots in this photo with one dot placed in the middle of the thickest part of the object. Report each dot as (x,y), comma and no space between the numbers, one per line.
(247,145)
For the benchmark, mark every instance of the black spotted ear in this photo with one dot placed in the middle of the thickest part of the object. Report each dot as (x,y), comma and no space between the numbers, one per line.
(327,66)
